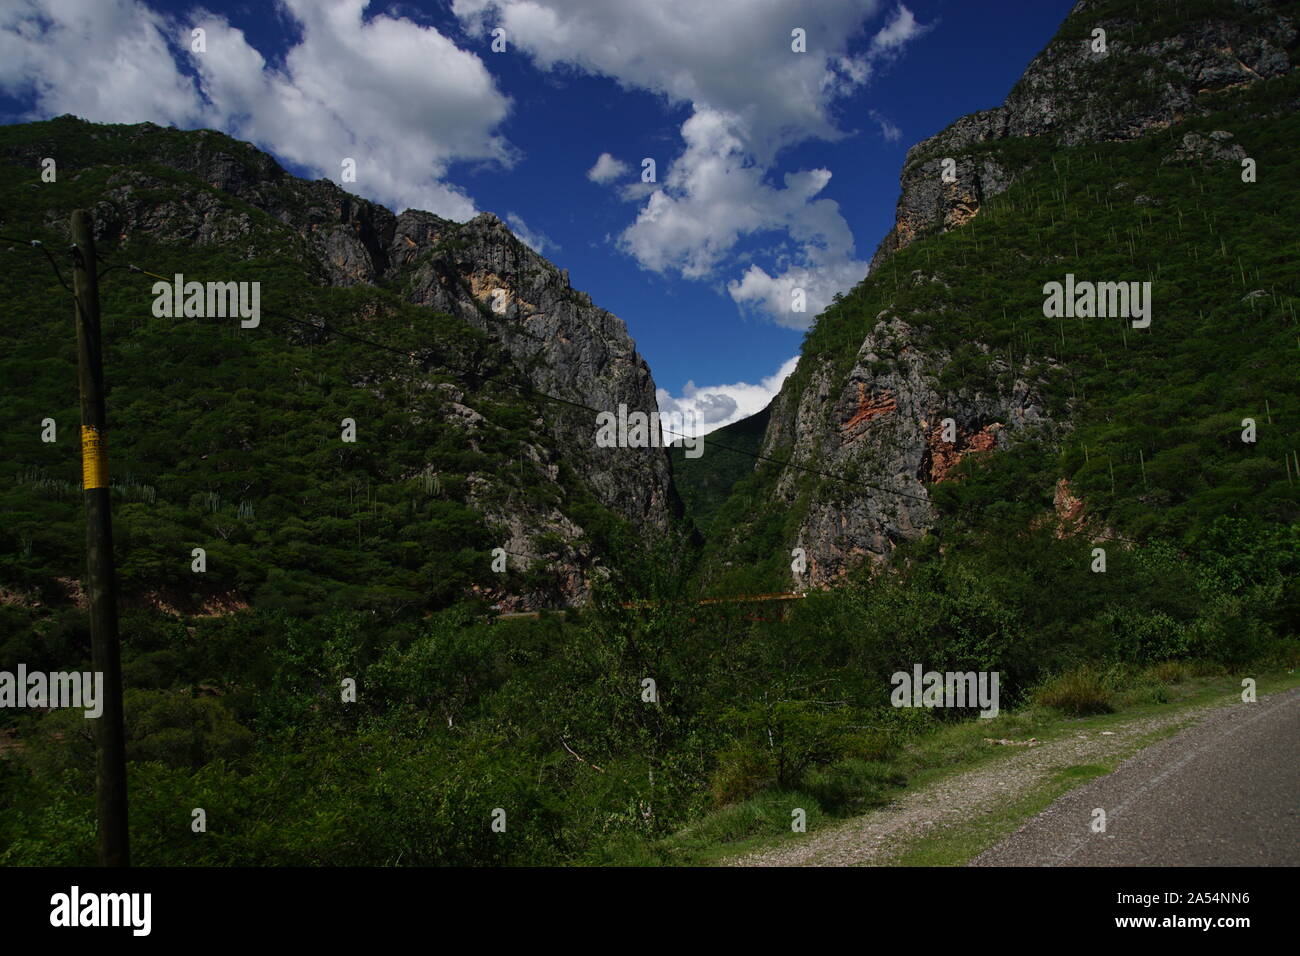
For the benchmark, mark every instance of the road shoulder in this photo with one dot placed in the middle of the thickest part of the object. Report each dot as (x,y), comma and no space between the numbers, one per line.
(957,816)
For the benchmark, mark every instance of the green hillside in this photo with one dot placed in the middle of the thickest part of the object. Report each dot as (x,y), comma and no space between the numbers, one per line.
(230,439)
(644,726)
(705,482)
(1154,446)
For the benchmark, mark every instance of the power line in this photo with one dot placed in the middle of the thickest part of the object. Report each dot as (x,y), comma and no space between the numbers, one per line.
(275,313)
(37,244)
(530,391)
(527,390)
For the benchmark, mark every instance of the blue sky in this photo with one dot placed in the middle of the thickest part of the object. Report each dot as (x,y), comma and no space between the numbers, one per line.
(774,169)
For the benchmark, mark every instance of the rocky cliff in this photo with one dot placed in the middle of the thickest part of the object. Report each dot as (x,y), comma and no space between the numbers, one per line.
(893,432)
(862,427)
(556,340)
(1138,75)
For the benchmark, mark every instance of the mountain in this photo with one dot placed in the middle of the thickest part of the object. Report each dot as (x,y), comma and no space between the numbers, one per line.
(1122,165)
(1093,511)
(704,482)
(1148,70)
(471,441)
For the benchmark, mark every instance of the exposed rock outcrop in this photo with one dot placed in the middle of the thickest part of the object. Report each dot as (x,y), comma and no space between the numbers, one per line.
(1215,148)
(558,341)
(1146,79)
(882,425)
(1068,508)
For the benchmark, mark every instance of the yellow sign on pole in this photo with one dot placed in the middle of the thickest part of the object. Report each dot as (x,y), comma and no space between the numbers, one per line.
(94,459)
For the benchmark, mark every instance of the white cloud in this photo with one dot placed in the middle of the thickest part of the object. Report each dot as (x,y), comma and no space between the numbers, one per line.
(708,408)
(607,168)
(750,96)
(729,55)
(888,130)
(538,242)
(774,294)
(715,195)
(400,99)
(106,59)
(635,192)
(898,32)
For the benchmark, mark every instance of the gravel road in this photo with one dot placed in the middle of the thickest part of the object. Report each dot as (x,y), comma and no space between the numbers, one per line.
(1225,792)
(1222,791)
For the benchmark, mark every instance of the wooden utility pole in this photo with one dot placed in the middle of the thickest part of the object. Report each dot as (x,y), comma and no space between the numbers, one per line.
(110,735)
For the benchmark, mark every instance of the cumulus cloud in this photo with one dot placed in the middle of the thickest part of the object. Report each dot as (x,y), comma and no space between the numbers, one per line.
(104,59)
(400,99)
(750,96)
(901,29)
(708,408)
(729,55)
(635,192)
(607,169)
(538,242)
(775,294)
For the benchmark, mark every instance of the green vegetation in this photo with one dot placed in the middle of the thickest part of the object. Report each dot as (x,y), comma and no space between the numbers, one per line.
(1156,414)
(704,483)
(330,562)
(228,439)
(242,714)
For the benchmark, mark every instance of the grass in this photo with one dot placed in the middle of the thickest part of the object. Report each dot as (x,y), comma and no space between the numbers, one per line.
(1078,692)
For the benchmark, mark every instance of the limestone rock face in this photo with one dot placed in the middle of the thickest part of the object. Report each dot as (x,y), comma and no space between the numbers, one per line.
(881,426)
(567,346)
(556,339)
(1206,150)
(1072,93)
